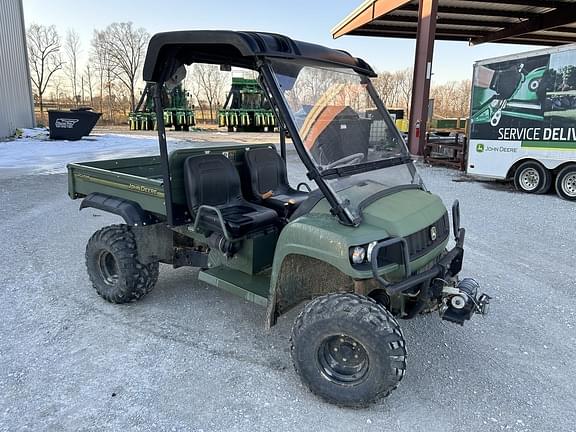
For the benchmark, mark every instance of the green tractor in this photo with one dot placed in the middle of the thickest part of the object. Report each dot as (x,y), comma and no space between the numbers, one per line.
(246,108)
(361,241)
(177,110)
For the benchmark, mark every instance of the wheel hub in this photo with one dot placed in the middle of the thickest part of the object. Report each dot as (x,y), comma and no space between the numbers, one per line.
(343,360)
(108,267)
(529,179)
(569,185)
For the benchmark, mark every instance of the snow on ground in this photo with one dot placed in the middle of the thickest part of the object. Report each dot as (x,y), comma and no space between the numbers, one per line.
(34,153)
(36,133)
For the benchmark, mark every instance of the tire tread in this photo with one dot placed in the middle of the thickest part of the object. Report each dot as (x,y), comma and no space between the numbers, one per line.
(138,279)
(361,309)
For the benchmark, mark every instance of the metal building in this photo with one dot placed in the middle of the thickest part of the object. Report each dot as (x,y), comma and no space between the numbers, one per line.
(16,103)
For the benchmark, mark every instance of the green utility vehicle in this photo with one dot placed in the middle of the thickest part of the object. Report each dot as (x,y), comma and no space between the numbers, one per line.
(366,245)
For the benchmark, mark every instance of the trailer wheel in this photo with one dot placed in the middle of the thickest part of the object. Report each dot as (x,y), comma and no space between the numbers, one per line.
(348,349)
(532,177)
(113,266)
(566,183)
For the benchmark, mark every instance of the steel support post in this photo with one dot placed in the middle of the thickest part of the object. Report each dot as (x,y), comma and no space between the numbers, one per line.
(427,12)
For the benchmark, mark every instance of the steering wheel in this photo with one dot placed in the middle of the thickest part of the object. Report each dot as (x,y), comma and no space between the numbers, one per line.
(356,157)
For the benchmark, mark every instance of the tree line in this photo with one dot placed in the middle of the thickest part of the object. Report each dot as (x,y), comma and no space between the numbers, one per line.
(106,81)
(109,80)
(451,99)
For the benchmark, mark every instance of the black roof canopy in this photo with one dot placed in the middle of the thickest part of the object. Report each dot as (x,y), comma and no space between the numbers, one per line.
(166,51)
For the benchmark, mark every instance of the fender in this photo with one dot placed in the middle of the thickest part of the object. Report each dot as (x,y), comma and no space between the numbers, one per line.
(311,258)
(312,254)
(128,210)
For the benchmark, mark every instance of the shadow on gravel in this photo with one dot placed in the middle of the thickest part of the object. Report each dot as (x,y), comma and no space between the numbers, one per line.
(499,186)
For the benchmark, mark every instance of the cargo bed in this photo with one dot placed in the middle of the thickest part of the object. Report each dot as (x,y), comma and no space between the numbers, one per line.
(139,179)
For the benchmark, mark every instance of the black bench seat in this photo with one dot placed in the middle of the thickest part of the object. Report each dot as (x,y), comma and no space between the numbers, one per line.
(213,180)
(268,176)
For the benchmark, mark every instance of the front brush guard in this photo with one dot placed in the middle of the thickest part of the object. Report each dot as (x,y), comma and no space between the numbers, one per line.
(449,265)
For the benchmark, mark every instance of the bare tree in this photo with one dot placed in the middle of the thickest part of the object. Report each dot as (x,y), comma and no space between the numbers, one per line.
(44,56)
(451,99)
(311,85)
(395,88)
(385,86)
(404,87)
(462,100)
(126,48)
(71,51)
(57,85)
(315,83)
(195,90)
(87,77)
(106,69)
(210,83)
(98,57)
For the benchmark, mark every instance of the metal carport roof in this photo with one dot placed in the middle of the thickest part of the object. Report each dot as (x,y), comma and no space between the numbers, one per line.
(528,22)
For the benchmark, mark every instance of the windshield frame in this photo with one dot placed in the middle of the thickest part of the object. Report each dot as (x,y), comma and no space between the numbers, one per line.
(339,207)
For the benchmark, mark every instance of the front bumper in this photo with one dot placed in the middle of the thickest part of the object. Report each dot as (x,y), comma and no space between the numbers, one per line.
(458,301)
(448,266)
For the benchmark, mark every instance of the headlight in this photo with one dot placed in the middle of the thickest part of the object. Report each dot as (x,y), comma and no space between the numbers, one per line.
(369,250)
(358,254)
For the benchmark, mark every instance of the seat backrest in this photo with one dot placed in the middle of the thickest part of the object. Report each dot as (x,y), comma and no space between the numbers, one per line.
(211,180)
(267,171)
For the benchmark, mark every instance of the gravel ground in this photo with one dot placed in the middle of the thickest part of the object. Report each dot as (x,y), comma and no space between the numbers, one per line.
(191,357)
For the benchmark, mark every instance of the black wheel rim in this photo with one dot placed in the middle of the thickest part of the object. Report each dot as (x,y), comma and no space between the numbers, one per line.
(343,360)
(108,267)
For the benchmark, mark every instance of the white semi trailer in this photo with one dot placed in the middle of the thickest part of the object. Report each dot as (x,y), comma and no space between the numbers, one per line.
(523,120)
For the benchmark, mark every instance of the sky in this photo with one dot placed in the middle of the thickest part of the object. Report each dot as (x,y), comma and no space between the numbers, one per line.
(308,20)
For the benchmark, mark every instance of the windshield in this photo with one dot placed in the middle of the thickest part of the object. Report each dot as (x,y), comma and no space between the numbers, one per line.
(355,146)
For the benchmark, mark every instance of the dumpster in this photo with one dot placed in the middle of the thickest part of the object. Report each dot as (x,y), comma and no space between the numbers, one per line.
(73,124)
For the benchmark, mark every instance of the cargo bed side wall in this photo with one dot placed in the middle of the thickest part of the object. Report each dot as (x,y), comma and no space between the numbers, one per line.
(83,180)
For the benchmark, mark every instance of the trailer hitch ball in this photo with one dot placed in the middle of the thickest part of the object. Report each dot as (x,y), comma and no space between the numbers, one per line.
(462,301)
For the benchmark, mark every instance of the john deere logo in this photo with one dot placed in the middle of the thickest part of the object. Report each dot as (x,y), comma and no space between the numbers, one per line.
(480,148)
(433,233)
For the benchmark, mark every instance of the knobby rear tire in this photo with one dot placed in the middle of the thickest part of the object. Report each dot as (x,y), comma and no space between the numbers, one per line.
(113,266)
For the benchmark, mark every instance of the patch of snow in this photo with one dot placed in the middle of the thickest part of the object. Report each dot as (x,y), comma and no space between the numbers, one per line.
(35,154)
(36,133)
